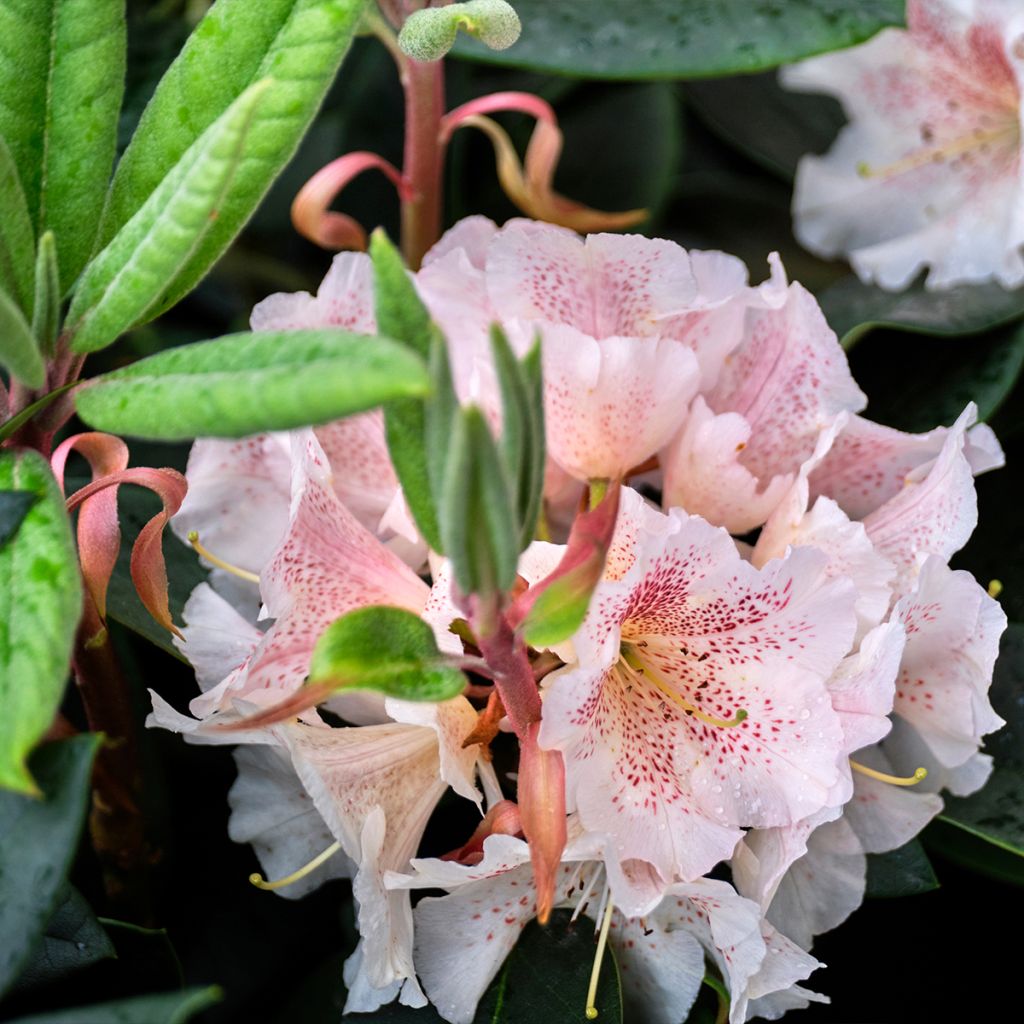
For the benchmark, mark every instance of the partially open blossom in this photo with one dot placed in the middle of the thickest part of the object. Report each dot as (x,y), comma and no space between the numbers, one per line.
(928,172)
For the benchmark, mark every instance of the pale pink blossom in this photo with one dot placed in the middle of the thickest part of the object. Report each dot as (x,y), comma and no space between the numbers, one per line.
(928,171)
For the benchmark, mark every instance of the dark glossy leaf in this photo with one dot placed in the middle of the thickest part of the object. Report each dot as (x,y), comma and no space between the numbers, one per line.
(244,383)
(903,872)
(916,383)
(544,980)
(772,125)
(14,506)
(40,601)
(299,43)
(996,813)
(62,70)
(853,308)
(73,939)
(147,953)
(38,836)
(669,39)
(389,650)
(402,315)
(168,1008)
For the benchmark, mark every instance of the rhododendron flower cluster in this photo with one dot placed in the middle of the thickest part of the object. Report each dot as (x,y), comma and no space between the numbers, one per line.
(777,672)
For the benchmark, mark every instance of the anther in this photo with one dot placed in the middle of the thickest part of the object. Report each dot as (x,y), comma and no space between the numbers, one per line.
(595,971)
(995,588)
(202,552)
(261,883)
(919,775)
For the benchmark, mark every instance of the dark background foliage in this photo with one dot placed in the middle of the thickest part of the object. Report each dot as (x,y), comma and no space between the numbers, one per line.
(713,162)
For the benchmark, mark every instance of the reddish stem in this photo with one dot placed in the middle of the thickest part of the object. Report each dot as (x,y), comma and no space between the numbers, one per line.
(513,674)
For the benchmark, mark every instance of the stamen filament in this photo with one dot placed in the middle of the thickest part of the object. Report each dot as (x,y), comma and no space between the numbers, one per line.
(261,883)
(922,157)
(595,972)
(242,574)
(639,670)
(920,774)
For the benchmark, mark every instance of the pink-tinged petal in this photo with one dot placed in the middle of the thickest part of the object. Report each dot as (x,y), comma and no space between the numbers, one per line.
(605,286)
(237,501)
(773,990)
(216,640)
(789,380)
(344,299)
(928,170)
(704,473)
(953,629)
(868,464)
(823,887)
(200,731)
(864,686)
(271,810)
(934,513)
(472,235)
(612,404)
(886,817)
(452,721)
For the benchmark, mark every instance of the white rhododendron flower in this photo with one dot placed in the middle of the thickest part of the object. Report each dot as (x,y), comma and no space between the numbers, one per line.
(776,675)
(928,172)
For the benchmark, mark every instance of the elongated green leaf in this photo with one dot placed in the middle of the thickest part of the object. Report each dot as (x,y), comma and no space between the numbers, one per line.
(917,382)
(903,872)
(852,309)
(167,1008)
(40,601)
(478,527)
(389,650)
(19,351)
(672,39)
(996,812)
(62,68)
(73,939)
(46,307)
(9,427)
(17,240)
(37,843)
(130,276)
(402,315)
(244,383)
(14,506)
(300,43)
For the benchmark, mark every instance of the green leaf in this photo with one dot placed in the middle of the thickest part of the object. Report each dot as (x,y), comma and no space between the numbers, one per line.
(17,240)
(299,43)
(62,75)
(73,939)
(917,383)
(996,812)
(903,872)
(244,383)
(477,524)
(167,1008)
(129,277)
(853,308)
(14,506)
(40,601)
(402,315)
(46,307)
(9,427)
(440,414)
(772,125)
(389,650)
(545,978)
(38,837)
(669,39)
(19,351)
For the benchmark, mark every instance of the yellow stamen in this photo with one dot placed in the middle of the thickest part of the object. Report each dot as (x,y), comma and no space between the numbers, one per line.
(242,574)
(919,775)
(637,667)
(935,154)
(595,971)
(261,883)
(995,588)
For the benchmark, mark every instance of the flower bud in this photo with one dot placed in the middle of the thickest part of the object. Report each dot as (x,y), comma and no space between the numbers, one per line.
(429,34)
